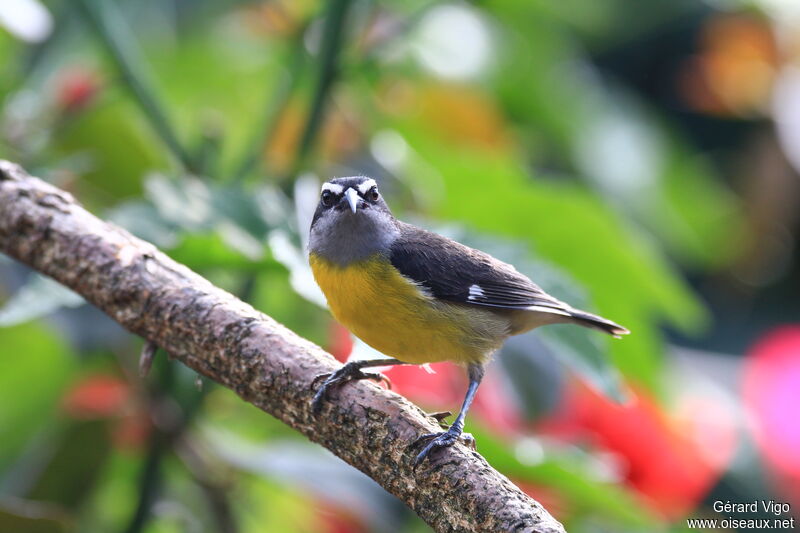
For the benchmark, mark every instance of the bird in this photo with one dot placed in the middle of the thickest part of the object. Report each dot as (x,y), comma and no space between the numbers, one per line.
(418,297)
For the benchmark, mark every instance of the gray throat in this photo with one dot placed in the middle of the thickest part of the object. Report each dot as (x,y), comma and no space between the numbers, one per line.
(350,238)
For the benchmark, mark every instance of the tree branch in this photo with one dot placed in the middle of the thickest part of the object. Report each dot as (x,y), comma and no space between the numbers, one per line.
(210,331)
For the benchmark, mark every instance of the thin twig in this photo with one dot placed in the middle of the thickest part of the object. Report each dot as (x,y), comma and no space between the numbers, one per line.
(146,358)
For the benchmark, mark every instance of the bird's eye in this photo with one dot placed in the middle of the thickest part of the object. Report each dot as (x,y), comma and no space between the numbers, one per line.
(327,198)
(373,194)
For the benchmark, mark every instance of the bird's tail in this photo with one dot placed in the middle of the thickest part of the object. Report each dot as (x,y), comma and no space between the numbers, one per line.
(597,322)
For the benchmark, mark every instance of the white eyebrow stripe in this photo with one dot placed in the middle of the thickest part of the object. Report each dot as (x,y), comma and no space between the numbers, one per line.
(335,188)
(366,185)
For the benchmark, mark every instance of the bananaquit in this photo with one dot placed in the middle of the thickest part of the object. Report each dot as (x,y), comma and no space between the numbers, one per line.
(419,297)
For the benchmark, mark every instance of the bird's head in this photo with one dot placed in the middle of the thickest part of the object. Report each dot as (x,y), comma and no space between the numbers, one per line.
(352,221)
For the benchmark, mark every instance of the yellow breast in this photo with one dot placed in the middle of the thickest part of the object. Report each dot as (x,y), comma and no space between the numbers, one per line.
(396,317)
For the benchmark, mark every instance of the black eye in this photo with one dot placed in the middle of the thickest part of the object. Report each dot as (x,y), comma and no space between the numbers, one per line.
(327,198)
(373,194)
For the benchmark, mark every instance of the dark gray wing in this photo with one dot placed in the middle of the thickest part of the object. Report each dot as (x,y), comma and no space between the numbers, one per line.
(457,273)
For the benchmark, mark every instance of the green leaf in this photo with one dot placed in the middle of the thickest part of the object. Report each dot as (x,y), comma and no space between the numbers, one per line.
(217,77)
(236,215)
(71,471)
(316,471)
(32,354)
(184,202)
(120,148)
(570,116)
(703,218)
(574,475)
(144,221)
(211,249)
(242,208)
(24,516)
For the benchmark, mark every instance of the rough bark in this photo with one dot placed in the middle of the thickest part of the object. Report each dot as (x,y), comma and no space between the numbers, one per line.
(228,341)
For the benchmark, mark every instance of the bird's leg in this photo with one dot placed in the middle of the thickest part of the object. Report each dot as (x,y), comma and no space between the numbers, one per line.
(349,372)
(449,437)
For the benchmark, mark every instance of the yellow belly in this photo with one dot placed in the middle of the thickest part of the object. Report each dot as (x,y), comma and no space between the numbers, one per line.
(393,315)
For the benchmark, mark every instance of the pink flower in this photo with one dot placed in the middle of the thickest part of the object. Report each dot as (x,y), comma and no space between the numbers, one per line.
(771,389)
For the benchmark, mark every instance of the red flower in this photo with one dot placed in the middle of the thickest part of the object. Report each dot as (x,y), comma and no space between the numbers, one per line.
(97,396)
(76,88)
(332,518)
(104,396)
(658,455)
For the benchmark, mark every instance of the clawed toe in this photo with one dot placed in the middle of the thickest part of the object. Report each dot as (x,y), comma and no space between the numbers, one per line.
(330,380)
(320,378)
(379,378)
(347,373)
(437,440)
(426,436)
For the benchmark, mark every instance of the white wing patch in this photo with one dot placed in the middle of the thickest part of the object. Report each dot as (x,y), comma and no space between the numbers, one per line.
(475,291)
(366,185)
(333,187)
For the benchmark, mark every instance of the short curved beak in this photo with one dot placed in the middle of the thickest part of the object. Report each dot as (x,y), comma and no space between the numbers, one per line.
(352,198)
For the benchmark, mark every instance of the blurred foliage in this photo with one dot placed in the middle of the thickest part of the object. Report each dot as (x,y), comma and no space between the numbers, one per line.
(621,155)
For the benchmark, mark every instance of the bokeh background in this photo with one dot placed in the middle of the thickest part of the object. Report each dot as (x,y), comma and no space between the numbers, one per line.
(639,159)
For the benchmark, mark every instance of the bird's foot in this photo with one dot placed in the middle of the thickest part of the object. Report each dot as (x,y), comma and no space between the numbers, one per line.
(349,372)
(442,439)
